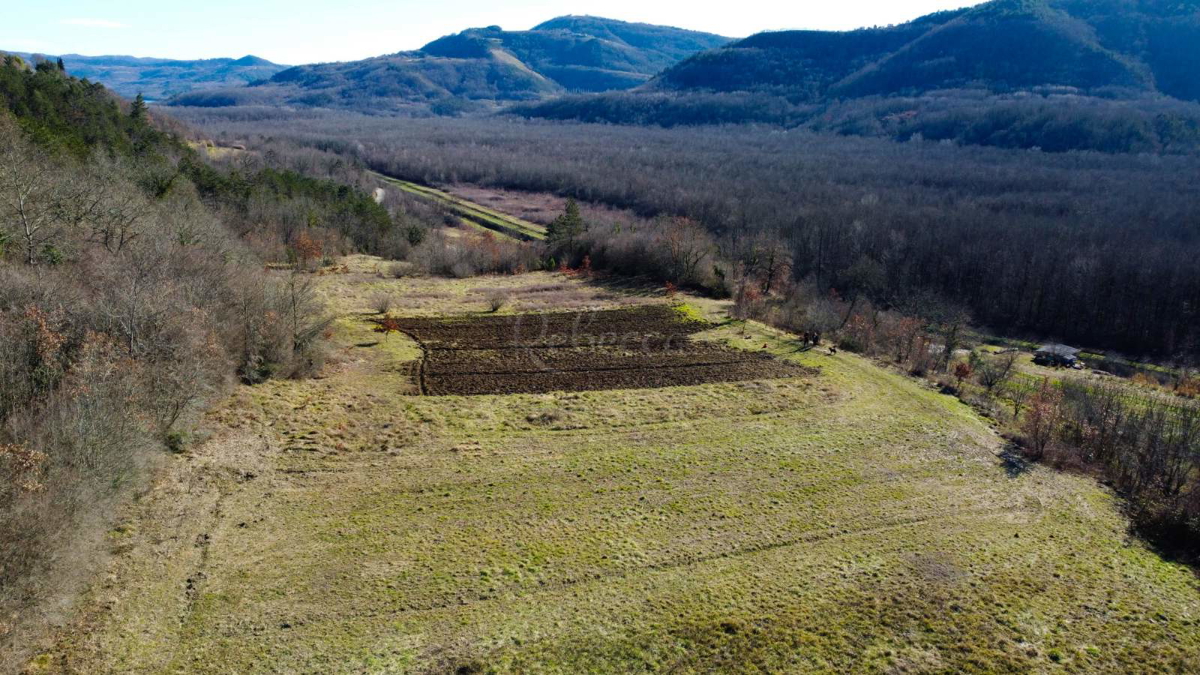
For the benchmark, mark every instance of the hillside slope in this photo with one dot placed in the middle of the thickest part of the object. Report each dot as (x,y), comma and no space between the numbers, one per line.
(853,520)
(106,212)
(802,63)
(1162,34)
(479,66)
(998,46)
(159,79)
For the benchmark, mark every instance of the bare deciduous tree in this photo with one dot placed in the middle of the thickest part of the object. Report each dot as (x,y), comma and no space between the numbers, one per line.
(687,245)
(30,204)
(767,258)
(304,314)
(993,370)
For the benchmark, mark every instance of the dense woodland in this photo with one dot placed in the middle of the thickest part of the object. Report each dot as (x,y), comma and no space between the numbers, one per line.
(1085,248)
(1049,120)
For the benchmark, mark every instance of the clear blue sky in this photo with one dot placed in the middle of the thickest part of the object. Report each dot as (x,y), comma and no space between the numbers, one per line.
(305,31)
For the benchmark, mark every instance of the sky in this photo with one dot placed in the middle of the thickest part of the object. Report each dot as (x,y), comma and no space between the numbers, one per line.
(294,32)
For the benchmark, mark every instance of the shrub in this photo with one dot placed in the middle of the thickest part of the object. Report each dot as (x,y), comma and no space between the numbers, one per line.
(496,300)
(400,270)
(1188,387)
(462,269)
(1144,380)
(176,442)
(309,251)
(382,302)
(993,371)
(962,370)
(386,326)
(395,246)
(1042,419)
(470,254)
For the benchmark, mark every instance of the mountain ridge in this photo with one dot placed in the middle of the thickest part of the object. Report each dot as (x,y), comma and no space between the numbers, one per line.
(477,67)
(1112,75)
(160,78)
(972,46)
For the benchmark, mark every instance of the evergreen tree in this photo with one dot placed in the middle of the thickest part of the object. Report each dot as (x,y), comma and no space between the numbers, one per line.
(138,112)
(61,66)
(567,226)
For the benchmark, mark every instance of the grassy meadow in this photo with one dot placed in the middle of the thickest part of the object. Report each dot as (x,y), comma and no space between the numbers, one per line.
(854,520)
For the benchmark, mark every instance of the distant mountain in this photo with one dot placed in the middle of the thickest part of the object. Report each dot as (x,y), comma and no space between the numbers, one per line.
(999,46)
(159,79)
(1080,58)
(479,67)
(1147,45)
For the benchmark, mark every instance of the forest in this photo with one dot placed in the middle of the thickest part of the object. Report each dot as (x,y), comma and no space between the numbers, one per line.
(1049,120)
(1081,247)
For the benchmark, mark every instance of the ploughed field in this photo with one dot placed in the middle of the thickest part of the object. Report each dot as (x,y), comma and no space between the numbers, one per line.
(643,347)
(849,520)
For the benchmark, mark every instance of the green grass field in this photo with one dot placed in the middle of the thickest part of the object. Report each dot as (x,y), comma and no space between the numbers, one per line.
(850,521)
(473,213)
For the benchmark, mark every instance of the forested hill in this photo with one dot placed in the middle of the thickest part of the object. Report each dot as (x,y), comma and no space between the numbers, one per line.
(1145,46)
(1008,72)
(478,66)
(582,53)
(160,79)
(651,48)
(65,114)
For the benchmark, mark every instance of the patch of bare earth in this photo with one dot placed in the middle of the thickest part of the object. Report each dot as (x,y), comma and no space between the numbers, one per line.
(638,348)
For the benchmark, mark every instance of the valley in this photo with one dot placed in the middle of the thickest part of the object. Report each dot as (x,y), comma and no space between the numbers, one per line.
(600,346)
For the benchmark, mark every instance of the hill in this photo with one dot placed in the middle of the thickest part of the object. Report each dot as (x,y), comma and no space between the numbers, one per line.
(1048,50)
(479,66)
(964,48)
(64,113)
(159,79)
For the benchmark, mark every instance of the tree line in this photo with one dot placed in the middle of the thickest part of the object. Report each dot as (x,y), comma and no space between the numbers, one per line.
(1050,120)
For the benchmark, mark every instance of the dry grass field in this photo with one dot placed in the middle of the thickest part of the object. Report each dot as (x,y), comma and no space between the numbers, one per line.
(840,517)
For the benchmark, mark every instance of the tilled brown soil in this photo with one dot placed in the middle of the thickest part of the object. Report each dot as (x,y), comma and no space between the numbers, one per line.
(644,347)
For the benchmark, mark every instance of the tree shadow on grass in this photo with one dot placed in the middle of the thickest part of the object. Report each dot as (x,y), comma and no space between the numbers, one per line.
(1014,462)
(640,286)
(803,346)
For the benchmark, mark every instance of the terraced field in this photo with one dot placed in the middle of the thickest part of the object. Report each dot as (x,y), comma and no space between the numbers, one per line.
(846,520)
